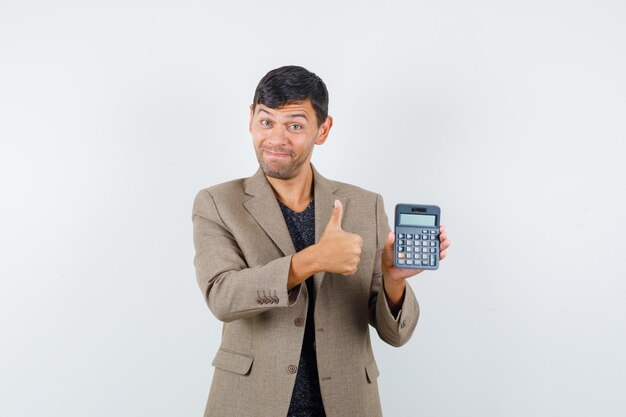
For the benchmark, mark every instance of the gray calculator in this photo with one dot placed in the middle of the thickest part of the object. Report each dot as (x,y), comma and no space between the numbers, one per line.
(417,236)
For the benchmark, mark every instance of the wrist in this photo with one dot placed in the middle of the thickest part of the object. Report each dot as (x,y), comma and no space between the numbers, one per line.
(394,290)
(314,257)
(303,265)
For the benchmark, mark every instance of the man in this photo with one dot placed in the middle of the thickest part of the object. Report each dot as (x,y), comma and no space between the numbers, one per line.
(297,266)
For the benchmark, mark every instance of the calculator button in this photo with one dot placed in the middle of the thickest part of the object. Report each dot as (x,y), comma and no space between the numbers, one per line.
(400,242)
(424,231)
(433,243)
(409,256)
(433,237)
(400,261)
(400,248)
(425,256)
(409,262)
(400,235)
(417,236)
(424,237)
(409,242)
(432,232)
(409,236)
(417,262)
(401,255)
(432,260)
(418,243)
(433,250)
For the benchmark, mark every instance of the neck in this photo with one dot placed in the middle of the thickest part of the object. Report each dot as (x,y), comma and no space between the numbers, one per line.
(295,192)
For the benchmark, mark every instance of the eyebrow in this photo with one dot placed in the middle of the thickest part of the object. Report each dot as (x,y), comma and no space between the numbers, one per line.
(291,116)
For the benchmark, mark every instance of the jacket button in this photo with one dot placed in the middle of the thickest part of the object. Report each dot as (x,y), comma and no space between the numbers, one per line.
(292,369)
(299,322)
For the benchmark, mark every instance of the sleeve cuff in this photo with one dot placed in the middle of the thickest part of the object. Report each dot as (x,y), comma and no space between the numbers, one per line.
(397,330)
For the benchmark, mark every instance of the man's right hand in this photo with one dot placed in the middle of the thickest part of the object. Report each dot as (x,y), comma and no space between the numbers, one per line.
(339,251)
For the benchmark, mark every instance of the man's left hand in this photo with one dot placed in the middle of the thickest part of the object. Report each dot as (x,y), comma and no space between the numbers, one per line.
(398,274)
(394,277)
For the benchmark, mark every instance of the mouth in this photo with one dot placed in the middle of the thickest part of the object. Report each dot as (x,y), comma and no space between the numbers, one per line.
(276,155)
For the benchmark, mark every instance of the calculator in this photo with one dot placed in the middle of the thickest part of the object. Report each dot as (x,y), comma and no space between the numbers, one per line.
(417,236)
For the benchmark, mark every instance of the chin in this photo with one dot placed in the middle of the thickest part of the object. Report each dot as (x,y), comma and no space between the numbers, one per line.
(278,172)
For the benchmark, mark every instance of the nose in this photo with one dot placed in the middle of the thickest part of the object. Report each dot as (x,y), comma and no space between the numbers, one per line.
(279,136)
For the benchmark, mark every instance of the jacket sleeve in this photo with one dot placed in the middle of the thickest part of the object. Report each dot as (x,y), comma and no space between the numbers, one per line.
(231,289)
(395,331)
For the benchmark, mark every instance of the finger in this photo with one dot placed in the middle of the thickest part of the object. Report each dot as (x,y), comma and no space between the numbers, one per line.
(335,218)
(442,255)
(444,245)
(350,272)
(443,233)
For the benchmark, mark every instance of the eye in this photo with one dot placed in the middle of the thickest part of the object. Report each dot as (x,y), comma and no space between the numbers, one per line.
(295,127)
(266,123)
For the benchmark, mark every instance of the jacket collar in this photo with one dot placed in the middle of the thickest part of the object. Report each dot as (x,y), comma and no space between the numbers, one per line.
(264,207)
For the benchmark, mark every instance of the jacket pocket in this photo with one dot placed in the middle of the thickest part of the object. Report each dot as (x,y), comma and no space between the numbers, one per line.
(371,372)
(237,363)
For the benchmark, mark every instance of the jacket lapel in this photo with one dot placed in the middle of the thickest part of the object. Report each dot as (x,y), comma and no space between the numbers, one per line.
(265,210)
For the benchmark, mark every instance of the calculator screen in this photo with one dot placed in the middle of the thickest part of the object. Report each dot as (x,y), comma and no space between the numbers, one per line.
(417,219)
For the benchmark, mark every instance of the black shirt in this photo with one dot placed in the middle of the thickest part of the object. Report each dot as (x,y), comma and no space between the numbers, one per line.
(306,399)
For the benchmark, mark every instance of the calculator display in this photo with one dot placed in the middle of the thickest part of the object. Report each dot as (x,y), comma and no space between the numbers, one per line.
(417,220)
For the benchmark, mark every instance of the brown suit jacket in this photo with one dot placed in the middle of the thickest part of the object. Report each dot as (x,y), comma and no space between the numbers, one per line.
(243,253)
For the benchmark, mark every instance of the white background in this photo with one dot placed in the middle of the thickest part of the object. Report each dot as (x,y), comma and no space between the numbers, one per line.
(510,115)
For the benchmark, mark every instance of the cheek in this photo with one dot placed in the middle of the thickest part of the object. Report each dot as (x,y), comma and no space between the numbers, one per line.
(258,137)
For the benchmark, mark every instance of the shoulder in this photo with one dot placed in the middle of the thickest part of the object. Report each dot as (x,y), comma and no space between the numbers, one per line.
(216,195)
(227,188)
(352,191)
(344,189)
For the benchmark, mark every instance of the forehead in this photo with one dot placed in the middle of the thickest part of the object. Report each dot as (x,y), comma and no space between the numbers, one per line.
(299,107)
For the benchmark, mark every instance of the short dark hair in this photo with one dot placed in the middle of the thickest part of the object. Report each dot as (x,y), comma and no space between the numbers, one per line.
(289,84)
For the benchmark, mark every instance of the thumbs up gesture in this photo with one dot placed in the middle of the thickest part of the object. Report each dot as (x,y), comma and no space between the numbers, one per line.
(340,252)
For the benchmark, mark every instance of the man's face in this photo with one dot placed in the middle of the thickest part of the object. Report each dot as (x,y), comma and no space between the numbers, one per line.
(284,138)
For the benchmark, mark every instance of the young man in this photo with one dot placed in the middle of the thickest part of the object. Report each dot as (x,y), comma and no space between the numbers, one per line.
(297,266)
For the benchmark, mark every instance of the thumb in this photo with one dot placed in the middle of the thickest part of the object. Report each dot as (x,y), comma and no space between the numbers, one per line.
(335,218)
(391,238)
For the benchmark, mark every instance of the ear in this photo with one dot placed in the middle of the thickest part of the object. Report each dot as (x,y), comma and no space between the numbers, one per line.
(323,131)
(251,116)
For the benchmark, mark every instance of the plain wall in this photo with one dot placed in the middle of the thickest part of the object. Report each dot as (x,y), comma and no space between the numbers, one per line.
(510,115)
